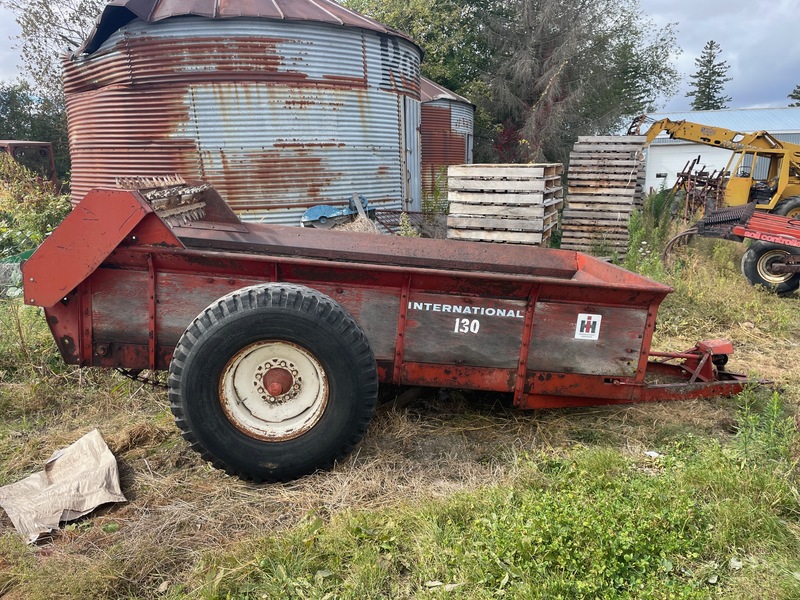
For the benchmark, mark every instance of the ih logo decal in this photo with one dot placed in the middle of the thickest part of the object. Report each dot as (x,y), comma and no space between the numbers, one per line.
(588,327)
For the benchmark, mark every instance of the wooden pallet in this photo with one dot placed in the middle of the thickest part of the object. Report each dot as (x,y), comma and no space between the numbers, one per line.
(604,185)
(516,204)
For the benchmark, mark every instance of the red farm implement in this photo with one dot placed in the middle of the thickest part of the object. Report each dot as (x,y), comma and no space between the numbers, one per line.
(772,259)
(276,338)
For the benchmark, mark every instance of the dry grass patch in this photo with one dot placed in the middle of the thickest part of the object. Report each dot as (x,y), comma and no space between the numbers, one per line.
(179,508)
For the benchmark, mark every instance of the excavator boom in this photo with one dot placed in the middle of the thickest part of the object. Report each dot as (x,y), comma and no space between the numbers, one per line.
(778,191)
(715,136)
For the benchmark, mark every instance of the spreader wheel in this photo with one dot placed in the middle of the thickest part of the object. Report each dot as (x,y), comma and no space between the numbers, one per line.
(272,382)
(757,267)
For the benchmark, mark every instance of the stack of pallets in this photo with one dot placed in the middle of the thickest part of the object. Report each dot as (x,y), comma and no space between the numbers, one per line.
(515,204)
(605,182)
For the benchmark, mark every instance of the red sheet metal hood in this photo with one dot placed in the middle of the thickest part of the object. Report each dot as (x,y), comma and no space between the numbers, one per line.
(118,13)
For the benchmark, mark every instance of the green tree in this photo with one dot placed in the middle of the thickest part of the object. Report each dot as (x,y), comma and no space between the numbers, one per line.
(49,29)
(795,95)
(16,111)
(566,68)
(26,116)
(708,82)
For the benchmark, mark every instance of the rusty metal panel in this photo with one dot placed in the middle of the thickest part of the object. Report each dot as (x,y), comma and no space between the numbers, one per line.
(607,339)
(373,308)
(480,332)
(119,308)
(279,116)
(446,139)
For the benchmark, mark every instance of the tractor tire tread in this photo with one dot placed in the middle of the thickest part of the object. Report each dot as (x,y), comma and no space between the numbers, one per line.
(281,296)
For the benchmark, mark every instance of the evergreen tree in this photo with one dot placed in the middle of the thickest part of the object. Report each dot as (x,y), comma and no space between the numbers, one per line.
(795,95)
(708,82)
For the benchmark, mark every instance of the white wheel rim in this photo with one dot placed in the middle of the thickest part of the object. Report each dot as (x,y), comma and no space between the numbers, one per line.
(273,390)
(764,267)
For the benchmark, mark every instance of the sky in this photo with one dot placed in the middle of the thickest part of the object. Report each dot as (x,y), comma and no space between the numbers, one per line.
(759,40)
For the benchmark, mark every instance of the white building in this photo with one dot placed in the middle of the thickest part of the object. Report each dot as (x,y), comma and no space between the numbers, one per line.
(667,157)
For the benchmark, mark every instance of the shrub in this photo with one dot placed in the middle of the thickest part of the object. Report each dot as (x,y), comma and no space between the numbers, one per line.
(30,208)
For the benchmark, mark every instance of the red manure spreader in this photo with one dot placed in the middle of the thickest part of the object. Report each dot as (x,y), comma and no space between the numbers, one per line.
(276,338)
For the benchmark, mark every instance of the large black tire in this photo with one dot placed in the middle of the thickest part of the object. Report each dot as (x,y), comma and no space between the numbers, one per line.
(273,382)
(788,207)
(756,267)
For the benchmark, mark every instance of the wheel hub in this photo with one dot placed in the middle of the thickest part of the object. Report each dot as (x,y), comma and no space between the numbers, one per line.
(277,381)
(273,390)
(766,269)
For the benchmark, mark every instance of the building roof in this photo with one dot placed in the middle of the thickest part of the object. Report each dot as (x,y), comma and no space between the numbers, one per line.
(775,120)
(430,91)
(118,13)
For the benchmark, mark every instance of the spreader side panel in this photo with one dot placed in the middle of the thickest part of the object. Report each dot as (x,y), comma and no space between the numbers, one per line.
(587,338)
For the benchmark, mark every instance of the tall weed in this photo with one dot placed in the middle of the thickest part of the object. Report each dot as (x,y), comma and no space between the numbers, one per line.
(437,202)
(30,208)
(766,429)
(648,230)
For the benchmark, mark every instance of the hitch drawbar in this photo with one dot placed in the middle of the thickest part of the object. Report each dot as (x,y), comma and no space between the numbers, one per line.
(276,338)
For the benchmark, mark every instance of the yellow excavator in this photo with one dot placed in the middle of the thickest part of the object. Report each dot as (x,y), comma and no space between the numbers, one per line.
(778,192)
(773,258)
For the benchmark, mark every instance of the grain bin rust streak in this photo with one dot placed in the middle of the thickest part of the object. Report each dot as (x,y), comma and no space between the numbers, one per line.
(276,169)
(282,167)
(165,153)
(216,52)
(147,57)
(225,62)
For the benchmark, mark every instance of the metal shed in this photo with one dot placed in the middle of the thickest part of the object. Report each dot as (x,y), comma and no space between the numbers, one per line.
(280,104)
(446,132)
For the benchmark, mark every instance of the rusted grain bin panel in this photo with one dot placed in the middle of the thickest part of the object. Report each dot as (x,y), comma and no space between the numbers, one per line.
(446,134)
(279,115)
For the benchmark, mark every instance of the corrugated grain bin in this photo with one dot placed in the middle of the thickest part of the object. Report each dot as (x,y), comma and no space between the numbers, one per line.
(446,131)
(281,104)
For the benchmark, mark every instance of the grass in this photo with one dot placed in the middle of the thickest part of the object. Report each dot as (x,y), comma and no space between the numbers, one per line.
(593,523)
(450,495)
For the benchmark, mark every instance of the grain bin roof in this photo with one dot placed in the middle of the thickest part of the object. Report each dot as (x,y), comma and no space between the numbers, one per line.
(430,91)
(118,13)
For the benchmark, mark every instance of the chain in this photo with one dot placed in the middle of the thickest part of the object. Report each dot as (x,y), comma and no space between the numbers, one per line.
(151,378)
